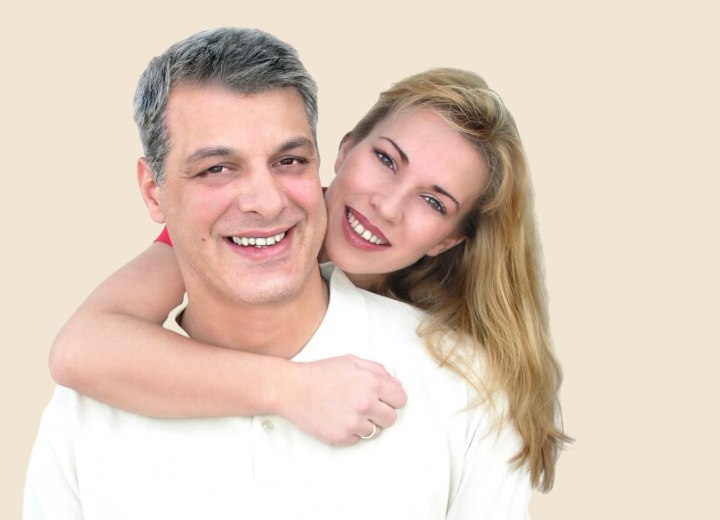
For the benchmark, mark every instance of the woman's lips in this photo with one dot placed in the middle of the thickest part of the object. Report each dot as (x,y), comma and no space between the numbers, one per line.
(360,229)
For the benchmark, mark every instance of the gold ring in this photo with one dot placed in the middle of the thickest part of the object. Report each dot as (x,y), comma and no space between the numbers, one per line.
(372,433)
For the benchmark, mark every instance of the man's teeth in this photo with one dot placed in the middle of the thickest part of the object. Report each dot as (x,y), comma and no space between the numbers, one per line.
(360,230)
(259,241)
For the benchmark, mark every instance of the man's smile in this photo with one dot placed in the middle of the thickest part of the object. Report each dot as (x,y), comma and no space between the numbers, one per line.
(258,241)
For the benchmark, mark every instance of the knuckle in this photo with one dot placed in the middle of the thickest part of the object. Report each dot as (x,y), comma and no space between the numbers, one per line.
(366,406)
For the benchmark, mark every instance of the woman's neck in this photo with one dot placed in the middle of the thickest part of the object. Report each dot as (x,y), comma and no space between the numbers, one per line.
(363,281)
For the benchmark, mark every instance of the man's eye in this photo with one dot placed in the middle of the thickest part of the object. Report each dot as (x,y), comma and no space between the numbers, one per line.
(290,161)
(385,159)
(213,170)
(435,204)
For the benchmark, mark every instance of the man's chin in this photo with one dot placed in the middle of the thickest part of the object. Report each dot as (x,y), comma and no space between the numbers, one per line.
(262,288)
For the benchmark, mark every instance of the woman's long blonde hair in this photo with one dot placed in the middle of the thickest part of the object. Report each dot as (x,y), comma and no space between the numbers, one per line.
(490,287)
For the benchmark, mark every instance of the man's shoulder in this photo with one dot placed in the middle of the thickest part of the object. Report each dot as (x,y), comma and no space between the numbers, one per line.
(88,421)
(63,413)
(73,411)
(67,406)
(381,307)
(66,398)
(387,309)
(390,329)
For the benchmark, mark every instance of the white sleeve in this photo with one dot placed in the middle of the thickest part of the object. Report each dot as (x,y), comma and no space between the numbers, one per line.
(51,490)
(490,487)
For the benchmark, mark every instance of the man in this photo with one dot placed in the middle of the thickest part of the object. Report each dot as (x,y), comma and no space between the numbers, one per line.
(227,120)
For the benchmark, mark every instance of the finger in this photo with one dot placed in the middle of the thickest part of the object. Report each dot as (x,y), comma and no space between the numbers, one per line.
(383,415)
(392,393)
(372,366)
(374,431)
(348,440)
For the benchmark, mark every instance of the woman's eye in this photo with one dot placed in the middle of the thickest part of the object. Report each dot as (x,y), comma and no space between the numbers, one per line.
(385,159)
(435,204)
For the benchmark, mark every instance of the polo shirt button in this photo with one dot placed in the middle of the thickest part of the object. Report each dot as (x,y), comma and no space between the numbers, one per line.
(268,425)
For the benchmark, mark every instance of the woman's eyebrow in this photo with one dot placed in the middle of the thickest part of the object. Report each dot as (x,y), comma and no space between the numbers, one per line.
(400,151)
(406,160)
(441,190)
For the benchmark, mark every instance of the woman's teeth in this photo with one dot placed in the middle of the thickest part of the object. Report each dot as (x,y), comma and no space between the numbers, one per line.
(259,241)
(360,230)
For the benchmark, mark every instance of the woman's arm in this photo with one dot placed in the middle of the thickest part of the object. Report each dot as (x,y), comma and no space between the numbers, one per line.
(114,349)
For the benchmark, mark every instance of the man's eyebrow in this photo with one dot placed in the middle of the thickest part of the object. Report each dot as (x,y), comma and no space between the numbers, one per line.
(300,142)
(225,151)
(211,151)
(400,151)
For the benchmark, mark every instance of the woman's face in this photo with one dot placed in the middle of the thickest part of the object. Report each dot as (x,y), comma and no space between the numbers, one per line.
(400,194)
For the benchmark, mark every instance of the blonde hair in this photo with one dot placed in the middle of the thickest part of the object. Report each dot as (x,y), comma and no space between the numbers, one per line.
(489,288)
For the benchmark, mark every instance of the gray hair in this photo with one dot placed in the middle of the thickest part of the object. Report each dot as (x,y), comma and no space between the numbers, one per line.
(249,61)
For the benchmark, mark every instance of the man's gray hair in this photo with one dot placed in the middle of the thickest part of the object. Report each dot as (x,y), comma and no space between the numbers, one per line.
(249,61)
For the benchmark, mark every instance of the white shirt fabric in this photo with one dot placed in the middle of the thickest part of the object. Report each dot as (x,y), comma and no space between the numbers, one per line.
(439,461)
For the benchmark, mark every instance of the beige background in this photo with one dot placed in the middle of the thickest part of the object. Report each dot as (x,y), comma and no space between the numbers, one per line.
(618,109)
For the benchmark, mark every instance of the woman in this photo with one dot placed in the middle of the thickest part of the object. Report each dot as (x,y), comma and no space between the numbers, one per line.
(431,205)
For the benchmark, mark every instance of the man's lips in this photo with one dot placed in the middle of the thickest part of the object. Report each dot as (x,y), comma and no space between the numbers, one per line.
(258,241)
(254,239)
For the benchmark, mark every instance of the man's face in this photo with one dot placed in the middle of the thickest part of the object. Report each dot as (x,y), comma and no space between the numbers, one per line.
(241,195)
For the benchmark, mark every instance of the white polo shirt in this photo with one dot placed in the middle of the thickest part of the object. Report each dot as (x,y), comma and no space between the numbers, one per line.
(92,461)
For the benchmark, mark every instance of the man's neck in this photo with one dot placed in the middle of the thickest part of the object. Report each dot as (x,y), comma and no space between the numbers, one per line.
(279,329)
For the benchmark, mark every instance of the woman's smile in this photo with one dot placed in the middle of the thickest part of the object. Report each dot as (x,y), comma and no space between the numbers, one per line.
(360,225)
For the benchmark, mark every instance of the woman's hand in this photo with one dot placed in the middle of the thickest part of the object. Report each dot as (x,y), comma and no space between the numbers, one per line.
(336,400)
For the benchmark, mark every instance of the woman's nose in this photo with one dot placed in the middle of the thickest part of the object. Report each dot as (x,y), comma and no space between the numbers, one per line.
(389,205)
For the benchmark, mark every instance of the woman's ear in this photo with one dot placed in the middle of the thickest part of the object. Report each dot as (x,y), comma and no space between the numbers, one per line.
(149,190)
(450,242)
(345,145)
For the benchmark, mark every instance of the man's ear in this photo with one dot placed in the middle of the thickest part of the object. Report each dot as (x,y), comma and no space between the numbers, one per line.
(149,190)
(446,244)
(345,145)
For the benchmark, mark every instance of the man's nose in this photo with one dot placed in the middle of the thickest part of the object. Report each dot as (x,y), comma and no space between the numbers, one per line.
(259,192)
